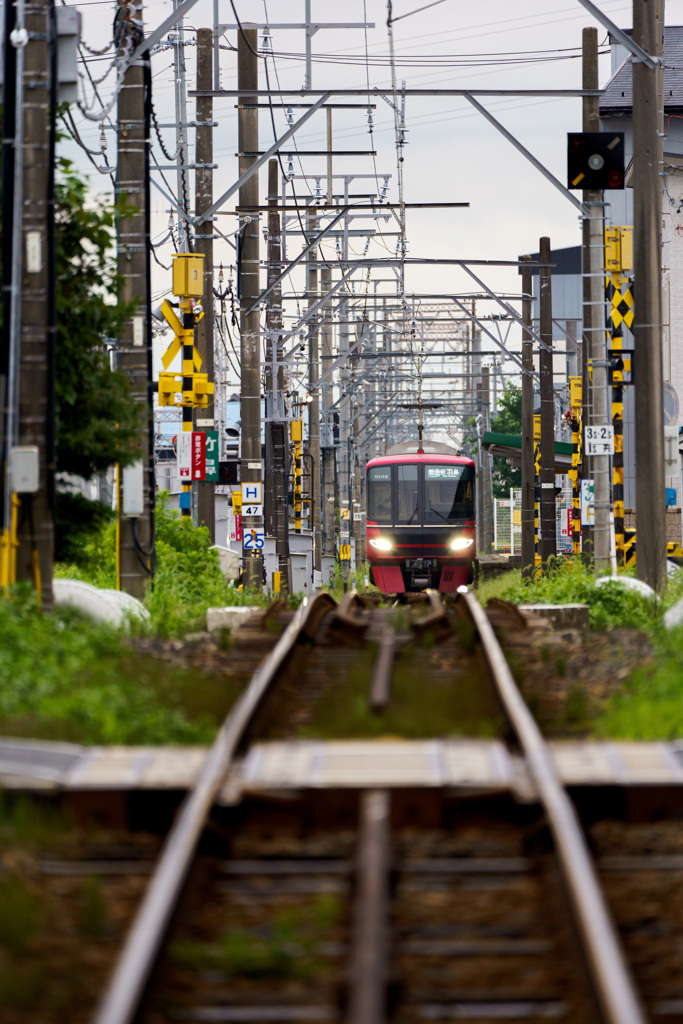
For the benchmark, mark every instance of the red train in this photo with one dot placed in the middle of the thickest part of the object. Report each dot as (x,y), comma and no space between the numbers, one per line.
(421,522)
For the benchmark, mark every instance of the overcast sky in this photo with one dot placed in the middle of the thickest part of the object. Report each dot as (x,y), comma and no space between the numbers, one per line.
(453,154)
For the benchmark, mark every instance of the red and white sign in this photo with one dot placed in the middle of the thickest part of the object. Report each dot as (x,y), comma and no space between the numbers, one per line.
(198,455)
(184,449)
(235,523)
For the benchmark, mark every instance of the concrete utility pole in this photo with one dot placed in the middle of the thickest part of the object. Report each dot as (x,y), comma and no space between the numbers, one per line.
(528,548)
(596,411)
(328,488)
(136,527)
(647,326)
(485,524)
(206,499)
(273,329)
(180,86)
(32,315)
(314,405)
(548,518)
(591,123)
(277,437)
(250,340)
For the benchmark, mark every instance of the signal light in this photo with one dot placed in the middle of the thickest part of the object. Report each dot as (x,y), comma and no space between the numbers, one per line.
(595,160)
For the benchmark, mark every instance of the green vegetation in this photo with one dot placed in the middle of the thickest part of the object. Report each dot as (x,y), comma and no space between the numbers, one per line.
(30,821)
(188,579)
(650,704)
(286,947)
(356,581)
(64,677)
(569,582)
(650,707)
(97,423)
(455,705)
(506,420)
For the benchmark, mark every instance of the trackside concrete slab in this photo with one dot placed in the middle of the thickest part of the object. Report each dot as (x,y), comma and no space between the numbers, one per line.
(230,618)
(560,616)
(286,766)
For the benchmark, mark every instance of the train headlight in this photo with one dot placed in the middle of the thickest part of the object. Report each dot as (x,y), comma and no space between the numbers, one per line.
(381,543)
(461,543)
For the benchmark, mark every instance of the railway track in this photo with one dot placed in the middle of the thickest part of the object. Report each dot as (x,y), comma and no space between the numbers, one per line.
(379,905)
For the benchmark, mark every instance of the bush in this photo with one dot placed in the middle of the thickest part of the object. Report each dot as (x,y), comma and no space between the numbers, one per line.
(188,578)
(569,582)
(650,707)
(65,677)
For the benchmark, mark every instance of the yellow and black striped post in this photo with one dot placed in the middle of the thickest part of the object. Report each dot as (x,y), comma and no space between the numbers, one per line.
(575,403)
(190,389)
(188,381)
(297,430)
(618,259)
(537,489)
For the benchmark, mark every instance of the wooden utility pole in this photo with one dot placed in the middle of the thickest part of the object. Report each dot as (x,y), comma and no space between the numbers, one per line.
(249,281)
(203,338)
(314,405)
(547,501)
(591,123)
(647,324)
(31,301)
(528,472)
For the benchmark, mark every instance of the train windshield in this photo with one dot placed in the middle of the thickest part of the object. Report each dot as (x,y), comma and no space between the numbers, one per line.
(449,493)
(379,494)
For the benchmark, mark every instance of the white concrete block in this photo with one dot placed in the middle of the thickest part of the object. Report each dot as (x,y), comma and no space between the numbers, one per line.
(230,618)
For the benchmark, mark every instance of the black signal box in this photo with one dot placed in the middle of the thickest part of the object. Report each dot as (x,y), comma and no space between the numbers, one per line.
(595,160)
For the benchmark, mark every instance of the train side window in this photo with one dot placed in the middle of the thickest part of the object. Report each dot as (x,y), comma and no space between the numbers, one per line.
(379,494)
(407,493)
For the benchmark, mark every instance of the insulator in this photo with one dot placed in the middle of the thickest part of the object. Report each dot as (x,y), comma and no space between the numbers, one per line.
(103,137)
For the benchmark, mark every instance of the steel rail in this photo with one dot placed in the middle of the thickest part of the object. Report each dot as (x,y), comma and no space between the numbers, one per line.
(146,934)
(614,988)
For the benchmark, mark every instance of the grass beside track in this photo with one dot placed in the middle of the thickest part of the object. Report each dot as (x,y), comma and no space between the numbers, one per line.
(64,677)
(649,705)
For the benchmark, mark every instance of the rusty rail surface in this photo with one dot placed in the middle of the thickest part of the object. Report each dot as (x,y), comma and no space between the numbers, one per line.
(613,985)
(368,972)
(144,939)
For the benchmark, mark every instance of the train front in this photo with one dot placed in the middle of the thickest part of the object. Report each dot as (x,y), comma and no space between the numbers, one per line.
(420,522)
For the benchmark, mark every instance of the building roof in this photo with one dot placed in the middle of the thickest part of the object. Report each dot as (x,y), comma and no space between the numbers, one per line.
(510,447)
(618,95)
(566,261)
